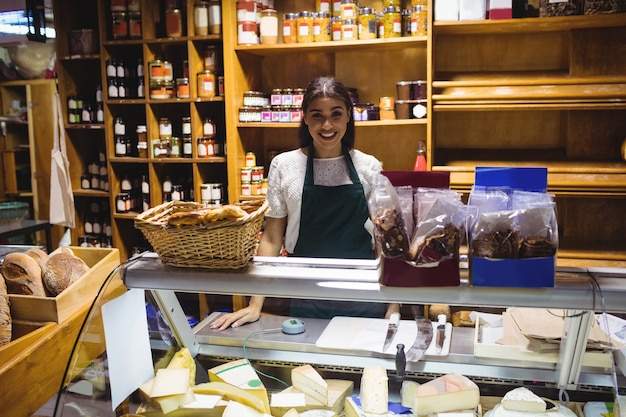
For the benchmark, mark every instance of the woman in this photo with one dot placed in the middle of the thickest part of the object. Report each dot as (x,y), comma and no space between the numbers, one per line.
(317,200)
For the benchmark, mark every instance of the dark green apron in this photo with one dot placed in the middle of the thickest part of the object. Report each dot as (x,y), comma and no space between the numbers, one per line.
(332,225)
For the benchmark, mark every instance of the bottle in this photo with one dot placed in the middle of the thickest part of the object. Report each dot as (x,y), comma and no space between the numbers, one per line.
(420,160)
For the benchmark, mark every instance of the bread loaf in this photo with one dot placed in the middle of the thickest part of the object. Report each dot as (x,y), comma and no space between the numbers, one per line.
(62,269)
(40,256)
(5,314)
(22,275)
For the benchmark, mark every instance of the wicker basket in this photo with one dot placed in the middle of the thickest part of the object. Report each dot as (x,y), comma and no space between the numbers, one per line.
(221,245)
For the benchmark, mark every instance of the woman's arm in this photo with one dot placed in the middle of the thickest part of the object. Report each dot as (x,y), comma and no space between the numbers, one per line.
(271,244)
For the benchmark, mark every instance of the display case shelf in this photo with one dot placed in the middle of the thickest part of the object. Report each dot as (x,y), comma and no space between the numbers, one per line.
(368,123)
(90,193)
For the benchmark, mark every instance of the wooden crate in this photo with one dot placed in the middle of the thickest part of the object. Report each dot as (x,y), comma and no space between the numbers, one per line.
(24,335)
(57,309)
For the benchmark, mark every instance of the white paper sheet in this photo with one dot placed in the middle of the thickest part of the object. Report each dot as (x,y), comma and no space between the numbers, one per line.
(128,344)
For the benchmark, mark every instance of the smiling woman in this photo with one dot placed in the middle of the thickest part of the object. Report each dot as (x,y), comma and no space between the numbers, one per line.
(317,199)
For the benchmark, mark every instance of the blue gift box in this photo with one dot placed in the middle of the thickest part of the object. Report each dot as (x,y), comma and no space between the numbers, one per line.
(528,272)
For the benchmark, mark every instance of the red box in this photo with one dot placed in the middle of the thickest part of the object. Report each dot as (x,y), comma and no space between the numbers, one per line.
(396,272)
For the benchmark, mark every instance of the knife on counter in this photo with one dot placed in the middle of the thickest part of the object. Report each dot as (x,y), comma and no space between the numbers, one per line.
(422,341)
(392,329)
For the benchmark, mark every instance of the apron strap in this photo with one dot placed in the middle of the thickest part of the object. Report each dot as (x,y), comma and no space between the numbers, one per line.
(310,178)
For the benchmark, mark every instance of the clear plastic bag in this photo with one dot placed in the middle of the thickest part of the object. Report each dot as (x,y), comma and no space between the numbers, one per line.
(425,198)
(405,197)
(496,235)
(389,229)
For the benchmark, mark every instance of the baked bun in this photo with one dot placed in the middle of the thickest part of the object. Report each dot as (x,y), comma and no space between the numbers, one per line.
(22,275)
(40,256)
(187,218)
(62,269)
(5,314)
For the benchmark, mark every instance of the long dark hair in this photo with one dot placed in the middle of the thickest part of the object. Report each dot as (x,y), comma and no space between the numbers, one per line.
(326,87)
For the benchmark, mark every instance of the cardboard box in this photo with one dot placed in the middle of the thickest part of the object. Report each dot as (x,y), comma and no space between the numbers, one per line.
(57,309)
(446,10)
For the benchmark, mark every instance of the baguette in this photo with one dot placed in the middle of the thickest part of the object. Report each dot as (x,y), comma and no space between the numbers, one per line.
(61,270)
(5,314)
(22,275)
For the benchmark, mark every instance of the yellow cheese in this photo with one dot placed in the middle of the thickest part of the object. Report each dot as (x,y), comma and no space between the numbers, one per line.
(235,409)
(170,382)
(174,402)
(450,392)
(183,359)
(350,408)
(338,390)
(291,413)
(150,410)
(241,374)
(306,380)
(230,392)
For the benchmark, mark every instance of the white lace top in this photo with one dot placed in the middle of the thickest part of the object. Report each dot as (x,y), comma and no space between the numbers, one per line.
(286,179)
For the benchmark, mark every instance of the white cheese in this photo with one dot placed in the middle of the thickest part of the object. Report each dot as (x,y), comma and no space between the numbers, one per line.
(408,392)
(338,390)
(350,408)
(450,392)
(523,399)
(466,413)
(318,413)
(171,403)
(170,382)
(288,399)
(374,390)
(235,409)
(558,411)
(204,401)
(306,380)
(241,374)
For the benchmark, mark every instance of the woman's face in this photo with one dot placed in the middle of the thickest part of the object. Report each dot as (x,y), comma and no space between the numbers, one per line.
(327,119)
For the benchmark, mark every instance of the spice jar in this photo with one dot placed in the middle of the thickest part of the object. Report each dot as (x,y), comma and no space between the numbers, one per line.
(392,23)
(215,17)
(349,9)
(134,25)
(208,58)
(173,23)
(165,127)
(119,25)
(290,27)
(348,30)
(175,147)
(206,84)
(419,20)
(142,141)
(336,24)
(367,24)
(187,146)
(297,97)
(305,27)
(120,146)
(266,114)
(321,27)
(208,127)
(186,125)
(162,90)
(182,88)
(202,147)
(269,27)
(201,18)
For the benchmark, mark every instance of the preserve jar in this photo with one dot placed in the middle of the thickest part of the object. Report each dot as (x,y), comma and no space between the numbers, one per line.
(187,146)
(367,24)
(419,20)
(287,97)
(134,5)
(349,9)
(323,6)
(134,25)
(201,18)
(305,27)
(186,125)
(173,23)
(215,17)
(175,147)
(206,84)
(336,24)
(120,146)
(142,141)
(208,127)
(269,27)
(392,23)
(348,30)
(297,97)
(321,27)
(165,127)
(247,33)
(119,25)
(202,147)
(290,27)
(182,88)
(403,90)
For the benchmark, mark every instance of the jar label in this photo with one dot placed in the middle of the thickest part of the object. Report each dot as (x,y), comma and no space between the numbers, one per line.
(347,34)
(419,111)
(304,30)
(286,30)
(120,129)
(397,27)
(337,34)
(88,228)
(317,30)
(287,100)
(201,17)
(215,18)
(186,128)
(167,187)
(202,149)
(187,148)
(145,188)
(348,13)
(269,26)
(207,86)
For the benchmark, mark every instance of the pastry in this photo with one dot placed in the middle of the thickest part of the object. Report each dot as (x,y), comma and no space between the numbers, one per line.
(40,256)
(231,212)
(5,314)
(22,275)
(62,269)
(462,319)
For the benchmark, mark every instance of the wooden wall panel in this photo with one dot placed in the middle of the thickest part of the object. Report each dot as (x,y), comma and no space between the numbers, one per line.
(598,52)
(595,135)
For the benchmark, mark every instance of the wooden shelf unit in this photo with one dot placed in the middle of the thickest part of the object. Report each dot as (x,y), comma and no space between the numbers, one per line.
(368,123)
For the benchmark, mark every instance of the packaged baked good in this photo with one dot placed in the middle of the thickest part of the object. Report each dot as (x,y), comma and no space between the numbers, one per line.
(389,230)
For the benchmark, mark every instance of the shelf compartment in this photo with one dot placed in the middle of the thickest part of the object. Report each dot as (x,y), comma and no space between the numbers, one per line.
(529,25)
(90,193)
(216,99)
(369,123)
(516,106)
(333,46)
(125,216)
(123,42)
(211,160)
(125,101)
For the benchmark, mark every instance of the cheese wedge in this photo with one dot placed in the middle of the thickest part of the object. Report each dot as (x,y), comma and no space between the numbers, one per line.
(408,392)
(318,413)
(230,392)
(338,390)
(288,399)
(306,380)
(523,399)
(292,413)
(235,409)
(183,359)
(374,390)
(310,401)
(241,374)
(174,402)
(450,392)
(350,408)
(153,410)
(170,382)
(465,413)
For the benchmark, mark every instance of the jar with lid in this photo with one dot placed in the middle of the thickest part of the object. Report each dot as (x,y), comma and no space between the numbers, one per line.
(392,22)
(349,9)
(166,147)
(206,84)
(186,125)
(112,90)
(269,27)
(97,226)
(176,145)
(208,127)
(348,30)
(211,146)
(276,97)
(173,22)
(177,193)
(298,97)
(119,126)
(165,127)
(122,203)
(336,24)
(247,33)
(119,25)
(134,25)
(305,27)
(156,148)
(367,24)
(321,27)
(182,88)
(187,146)
(419,20)
(85,184)
(205,193)
(120,146)
(202,147)
(162,90)
(215,17)
(201,18)
(266,114)
(287,97)
(290,27)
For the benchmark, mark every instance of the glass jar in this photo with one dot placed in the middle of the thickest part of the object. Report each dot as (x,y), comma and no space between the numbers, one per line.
(162,90)
(156,148)
(186,125)
(201,18)
(173,23)
(208,58)
(112,90)
(120,146)
(419,20)
(142,141)
(206,84)
(298,97)
(247,33)
(290,27)
(211,148)
(123,203)
(305,27)
(321,27)
(392,3)
(202,147)
(266,114)
(215,17)
(269,27)
(166,147)
(177,193)
(322,6)
(287,97)
(182,88)
(349,9)
(392,22)
(176,147)
(208,127)
(165,127)
(119,126)
(119,25)
(367,24)
(187,146)
(349,30)
(134,25)
(336,24)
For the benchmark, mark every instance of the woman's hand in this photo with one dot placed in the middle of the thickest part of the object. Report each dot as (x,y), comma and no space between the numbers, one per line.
(236,319)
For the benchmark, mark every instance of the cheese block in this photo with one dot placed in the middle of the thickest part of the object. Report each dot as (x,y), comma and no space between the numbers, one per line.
(450,392)
(310,401)
(152,410)
(170,382)
(241,374)
(288,399)
(523,399)
(292,413)
(350,408)
(171,403)
(408,392)
(202,401)
(557,411)
(374,390)
(183,360)
(306,380)
(338,390)
(318,413)
(465,413)
(230,392)
(235,409)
